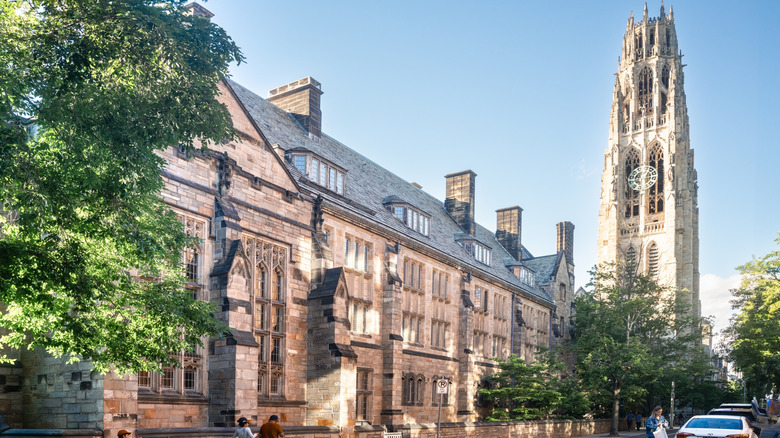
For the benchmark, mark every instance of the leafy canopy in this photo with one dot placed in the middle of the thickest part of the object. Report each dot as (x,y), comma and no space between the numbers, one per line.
(520,391)
(90,92)
(753,337)
(627,328)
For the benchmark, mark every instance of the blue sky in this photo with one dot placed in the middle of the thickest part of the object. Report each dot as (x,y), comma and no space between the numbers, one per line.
(520,93)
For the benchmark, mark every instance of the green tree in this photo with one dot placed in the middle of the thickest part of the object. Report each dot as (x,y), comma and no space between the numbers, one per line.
(521,390)
(90,92)
(626,329)
(753,337)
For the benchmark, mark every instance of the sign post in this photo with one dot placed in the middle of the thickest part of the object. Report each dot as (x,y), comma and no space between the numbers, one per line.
(441,388)
(671,408)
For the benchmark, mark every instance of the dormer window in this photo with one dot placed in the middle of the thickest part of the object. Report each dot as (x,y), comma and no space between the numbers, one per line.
(410,216)
(526,275)
(479,251)
(319,171)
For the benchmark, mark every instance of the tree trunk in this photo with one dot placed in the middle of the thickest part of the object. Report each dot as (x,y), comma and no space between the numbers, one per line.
(614,426)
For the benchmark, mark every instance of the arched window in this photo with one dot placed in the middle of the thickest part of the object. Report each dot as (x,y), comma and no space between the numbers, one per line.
(656,195)
(645,91)
(653,261)
(631,195)
(668,38)
(665,76)
(270,332)
(665,89)
(639,44)
(278,289)
(420,391)
(631,256)
(262,282)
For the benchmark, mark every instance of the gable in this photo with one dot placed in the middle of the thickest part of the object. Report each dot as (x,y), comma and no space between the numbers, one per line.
(252,152)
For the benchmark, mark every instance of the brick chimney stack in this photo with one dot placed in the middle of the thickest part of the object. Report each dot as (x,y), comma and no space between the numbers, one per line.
(301,99)
(509,228)
(566,240)
(460,199)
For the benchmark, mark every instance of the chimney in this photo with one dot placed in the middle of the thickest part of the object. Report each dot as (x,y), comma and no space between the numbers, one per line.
(460,199)
(566,240)
(509,227)
(301,99)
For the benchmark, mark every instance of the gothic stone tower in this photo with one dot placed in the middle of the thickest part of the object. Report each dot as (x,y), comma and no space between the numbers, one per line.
(649,210)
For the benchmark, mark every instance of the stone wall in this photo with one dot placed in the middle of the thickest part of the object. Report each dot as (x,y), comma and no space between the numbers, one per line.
(539,429)
(56,394)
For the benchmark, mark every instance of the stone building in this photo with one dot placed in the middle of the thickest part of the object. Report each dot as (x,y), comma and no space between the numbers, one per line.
(649,209)
(349,293)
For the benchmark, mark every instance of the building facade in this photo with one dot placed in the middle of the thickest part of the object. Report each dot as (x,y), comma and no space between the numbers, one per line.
(349,292)
(649,211)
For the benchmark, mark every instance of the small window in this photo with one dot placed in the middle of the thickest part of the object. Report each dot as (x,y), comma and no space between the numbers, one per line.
(323,174)
(190,378)
(399,212)
(276,351)
(144,379)
(363,395)
(300,162)
(167,378)
(262,283)
(340,183)
(315,169)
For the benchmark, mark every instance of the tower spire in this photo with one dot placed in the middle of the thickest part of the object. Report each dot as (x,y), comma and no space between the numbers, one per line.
(644,17)
(671,13)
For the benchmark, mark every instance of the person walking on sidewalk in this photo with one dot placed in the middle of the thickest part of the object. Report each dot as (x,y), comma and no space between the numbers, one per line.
(638,419)
(630,420)
(271,429)
(243,430)
(656,425)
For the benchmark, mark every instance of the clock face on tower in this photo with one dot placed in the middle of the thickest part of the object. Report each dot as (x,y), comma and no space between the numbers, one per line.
(642,178)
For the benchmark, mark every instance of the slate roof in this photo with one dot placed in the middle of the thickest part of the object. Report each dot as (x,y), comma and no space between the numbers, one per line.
(368,185)
(544,266)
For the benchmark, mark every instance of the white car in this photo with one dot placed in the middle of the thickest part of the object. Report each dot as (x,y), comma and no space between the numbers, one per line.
(716,426)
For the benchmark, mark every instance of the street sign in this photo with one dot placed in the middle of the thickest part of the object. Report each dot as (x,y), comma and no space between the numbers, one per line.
(442,386)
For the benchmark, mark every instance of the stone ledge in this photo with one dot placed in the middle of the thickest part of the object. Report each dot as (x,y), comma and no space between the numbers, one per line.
(73,433)
(183,432)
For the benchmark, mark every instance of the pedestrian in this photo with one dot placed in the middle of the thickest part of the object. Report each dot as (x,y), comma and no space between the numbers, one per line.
(243,430)
(123,434)
(656,425)
(679,419)
(271,429)
(638,419)
(630,420)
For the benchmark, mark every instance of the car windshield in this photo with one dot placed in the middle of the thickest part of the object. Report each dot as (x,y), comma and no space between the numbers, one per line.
(714,423)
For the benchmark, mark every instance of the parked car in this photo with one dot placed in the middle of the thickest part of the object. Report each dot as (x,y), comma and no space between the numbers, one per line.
(735,405)
(716,426)
(737,412)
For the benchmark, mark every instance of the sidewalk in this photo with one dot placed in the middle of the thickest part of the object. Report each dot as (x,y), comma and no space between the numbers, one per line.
(629,434)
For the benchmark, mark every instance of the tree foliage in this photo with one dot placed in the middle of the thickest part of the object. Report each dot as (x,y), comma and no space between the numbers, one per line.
(520,391)
(753,336)
(626,329)
(90,92)
(532,391)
